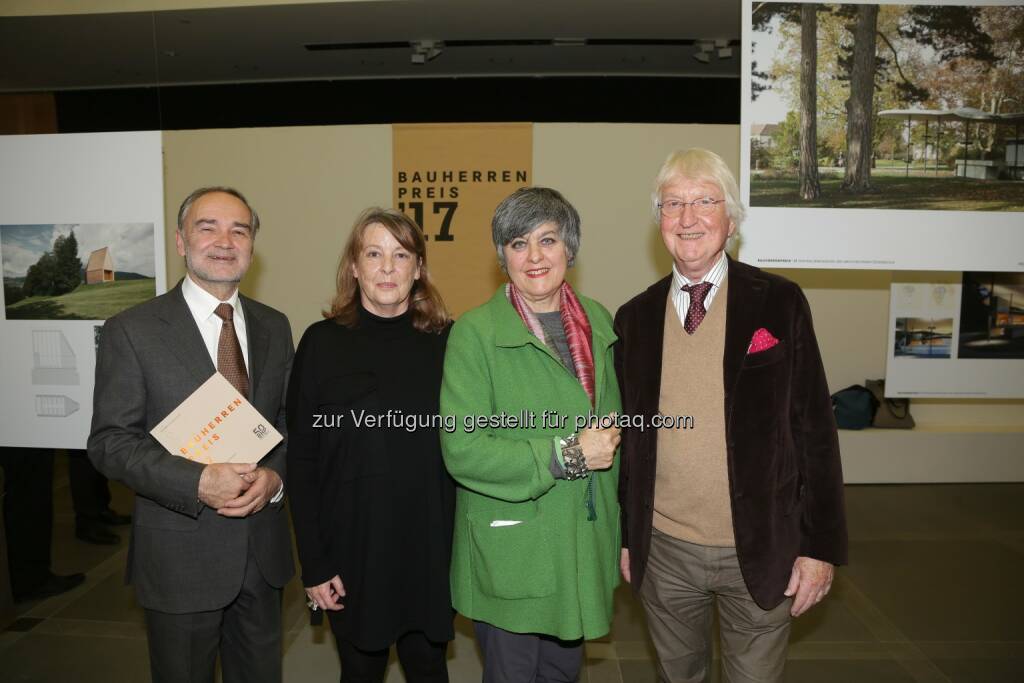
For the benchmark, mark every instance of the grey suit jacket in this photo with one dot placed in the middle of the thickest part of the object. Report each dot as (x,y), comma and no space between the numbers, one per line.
(183,556)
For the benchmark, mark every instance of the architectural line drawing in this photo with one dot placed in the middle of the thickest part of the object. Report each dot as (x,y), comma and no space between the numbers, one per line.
(51,405)
(53,359)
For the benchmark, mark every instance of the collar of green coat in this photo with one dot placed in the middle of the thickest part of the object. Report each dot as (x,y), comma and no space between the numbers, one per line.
(509,330)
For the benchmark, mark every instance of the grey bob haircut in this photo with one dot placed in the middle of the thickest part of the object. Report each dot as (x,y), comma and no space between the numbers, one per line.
(528,208)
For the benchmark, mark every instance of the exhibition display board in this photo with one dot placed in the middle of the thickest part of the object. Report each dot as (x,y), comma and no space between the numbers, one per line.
(81,238)
(957,340)
(449,179)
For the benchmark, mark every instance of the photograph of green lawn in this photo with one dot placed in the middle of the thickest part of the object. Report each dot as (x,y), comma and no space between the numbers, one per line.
(895,191)
(86,302)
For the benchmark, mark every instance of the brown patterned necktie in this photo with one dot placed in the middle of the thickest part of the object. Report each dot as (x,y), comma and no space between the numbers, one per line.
(230,361)
(696,312)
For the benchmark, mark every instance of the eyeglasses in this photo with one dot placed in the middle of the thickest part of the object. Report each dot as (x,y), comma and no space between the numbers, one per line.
(705,206)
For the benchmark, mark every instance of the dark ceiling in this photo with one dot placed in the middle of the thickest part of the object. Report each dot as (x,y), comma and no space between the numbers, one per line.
(369,40)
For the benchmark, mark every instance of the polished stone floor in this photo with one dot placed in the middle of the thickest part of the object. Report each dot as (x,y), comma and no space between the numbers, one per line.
(933,594)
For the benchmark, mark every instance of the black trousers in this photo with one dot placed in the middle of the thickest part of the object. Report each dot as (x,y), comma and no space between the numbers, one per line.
(247,632)
(28,515)
(423,661)
(527,657)
(90,493)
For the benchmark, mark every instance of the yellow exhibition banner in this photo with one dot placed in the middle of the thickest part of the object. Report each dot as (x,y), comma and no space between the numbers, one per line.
(449,178)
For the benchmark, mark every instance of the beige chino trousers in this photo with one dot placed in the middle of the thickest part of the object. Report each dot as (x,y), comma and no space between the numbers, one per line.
(681,587)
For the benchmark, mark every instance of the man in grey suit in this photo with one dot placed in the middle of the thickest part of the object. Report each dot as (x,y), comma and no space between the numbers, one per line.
(210,547)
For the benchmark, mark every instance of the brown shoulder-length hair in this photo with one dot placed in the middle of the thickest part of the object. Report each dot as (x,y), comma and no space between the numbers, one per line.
(429,314)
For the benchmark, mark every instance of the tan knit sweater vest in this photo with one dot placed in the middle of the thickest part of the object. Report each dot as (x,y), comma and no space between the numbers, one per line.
(691,493)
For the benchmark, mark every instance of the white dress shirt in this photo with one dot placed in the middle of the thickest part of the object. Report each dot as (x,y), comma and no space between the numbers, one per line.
(681,298)
(201,304)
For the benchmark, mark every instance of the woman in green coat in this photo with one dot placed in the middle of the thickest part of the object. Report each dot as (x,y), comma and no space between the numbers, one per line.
(530,382)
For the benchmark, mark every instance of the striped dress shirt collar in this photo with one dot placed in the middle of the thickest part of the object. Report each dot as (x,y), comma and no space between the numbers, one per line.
(681,299)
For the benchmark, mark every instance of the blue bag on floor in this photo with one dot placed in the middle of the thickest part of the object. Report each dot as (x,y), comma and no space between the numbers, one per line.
(854,407)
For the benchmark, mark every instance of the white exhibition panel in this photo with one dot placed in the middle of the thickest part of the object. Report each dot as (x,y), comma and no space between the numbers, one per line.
(94,182)
(882,239)
(875,239)
(943,374)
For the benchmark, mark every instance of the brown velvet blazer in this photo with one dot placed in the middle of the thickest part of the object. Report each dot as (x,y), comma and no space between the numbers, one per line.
(785,477)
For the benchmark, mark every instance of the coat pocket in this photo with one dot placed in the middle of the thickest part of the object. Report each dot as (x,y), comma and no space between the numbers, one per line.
(766,357)
(512,561)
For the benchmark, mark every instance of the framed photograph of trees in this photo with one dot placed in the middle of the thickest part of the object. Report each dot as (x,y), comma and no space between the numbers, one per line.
(884,135)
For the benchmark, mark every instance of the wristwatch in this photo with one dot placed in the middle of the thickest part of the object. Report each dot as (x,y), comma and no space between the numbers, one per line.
(575,462)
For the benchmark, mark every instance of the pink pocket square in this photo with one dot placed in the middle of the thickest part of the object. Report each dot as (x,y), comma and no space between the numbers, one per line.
(761,341)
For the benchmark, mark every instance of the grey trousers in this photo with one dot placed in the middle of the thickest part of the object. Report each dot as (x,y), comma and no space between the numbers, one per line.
(183,647)
(527,657)
(681,587)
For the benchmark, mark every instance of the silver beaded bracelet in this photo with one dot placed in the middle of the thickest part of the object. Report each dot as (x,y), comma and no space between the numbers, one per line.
(572,456)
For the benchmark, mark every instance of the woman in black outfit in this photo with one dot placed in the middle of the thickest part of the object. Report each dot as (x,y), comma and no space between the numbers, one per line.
(370,498)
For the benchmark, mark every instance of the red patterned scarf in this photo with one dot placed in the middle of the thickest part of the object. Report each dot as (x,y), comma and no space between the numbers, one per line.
(577,331)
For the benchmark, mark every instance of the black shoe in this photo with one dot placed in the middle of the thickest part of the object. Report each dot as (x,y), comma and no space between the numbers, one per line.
(114,518)
(97,534)
(54,584)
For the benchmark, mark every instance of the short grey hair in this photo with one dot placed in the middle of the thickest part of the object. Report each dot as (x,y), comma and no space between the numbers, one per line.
(254,219)
(527,209)
(705,166)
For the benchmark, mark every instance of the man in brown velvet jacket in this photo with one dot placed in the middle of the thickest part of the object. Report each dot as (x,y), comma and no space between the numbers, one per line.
(743,507)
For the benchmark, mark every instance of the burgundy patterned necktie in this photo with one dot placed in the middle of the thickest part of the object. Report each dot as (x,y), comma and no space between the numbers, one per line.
(695,314)
(230,361)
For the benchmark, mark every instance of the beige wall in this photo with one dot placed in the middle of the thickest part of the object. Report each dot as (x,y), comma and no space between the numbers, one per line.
(309,183)
(606,171)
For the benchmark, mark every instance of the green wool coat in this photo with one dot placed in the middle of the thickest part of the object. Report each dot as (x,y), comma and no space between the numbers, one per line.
(554,571)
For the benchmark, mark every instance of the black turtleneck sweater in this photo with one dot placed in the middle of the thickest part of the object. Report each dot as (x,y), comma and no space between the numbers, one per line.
(370,498)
